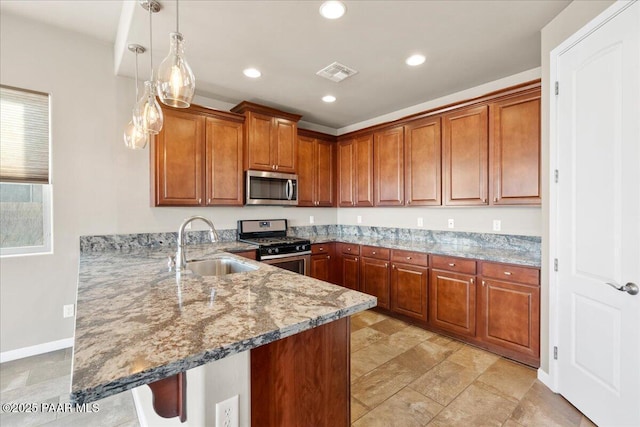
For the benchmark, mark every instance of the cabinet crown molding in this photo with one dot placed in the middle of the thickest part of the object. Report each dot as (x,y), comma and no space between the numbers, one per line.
(245,106)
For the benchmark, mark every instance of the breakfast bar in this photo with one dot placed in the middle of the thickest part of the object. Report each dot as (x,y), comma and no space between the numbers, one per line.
(140,324)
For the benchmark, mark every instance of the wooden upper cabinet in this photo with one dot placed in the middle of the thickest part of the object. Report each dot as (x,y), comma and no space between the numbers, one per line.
(422,160)
(224,181)
(465,156)
(355,172)
(515,150)
(388,170)
(346,173)
(196,160)
(177,157)
(271,142)
(316,172)
(364,170)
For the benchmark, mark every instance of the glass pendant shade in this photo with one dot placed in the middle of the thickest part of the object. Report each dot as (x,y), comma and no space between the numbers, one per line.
(147,115)
(134,137)
(176,83)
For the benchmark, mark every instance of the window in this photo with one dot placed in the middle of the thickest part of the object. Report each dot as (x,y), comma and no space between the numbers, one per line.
(25,190)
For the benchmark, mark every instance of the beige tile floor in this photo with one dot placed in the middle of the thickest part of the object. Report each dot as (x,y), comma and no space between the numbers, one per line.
(401,375)
(404,376)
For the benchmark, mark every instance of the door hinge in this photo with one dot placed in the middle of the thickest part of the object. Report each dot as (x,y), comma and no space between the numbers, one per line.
(555,353)
(555,264)
(557,88)
(555,175)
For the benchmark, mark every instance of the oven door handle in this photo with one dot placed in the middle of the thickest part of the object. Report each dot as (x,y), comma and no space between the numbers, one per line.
(289,189)
(280,256)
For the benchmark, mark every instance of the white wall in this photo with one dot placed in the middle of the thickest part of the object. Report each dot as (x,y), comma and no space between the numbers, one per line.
(567,22)
(100,187)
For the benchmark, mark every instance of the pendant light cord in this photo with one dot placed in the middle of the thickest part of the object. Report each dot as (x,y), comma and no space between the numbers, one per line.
(137,94)
(151,43)
(177,17)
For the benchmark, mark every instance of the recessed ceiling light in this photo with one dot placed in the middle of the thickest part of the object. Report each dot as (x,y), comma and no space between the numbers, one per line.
(414,60)
(254,73)
(332,9)
(328,98)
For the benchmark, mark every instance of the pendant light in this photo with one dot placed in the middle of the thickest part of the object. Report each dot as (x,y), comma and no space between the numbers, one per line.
(176,82)
(147,114)
(134,137)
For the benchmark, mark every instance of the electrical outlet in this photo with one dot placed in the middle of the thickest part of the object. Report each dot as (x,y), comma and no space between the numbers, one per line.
(359,219)
(420,222)
(311,219)
(450,223)
(68,310)
(497,225)
(227,413)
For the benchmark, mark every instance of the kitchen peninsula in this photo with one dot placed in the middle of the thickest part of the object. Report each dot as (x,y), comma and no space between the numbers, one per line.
(138,323)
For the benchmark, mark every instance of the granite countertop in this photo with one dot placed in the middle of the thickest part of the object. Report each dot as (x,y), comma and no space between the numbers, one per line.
(137,322)
(505,254)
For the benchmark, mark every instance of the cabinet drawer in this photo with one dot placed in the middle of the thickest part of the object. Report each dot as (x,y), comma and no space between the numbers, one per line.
(409,257)
(375,252)
(349,248)
(512,273)
(459,265)
(321,248)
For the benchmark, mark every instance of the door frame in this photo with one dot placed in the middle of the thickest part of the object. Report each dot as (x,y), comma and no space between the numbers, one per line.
(550,379)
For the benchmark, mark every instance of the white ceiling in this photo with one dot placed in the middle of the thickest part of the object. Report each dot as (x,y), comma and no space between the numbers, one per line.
(466,43)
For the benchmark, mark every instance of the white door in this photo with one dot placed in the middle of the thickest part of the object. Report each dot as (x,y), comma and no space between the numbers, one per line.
(597,239)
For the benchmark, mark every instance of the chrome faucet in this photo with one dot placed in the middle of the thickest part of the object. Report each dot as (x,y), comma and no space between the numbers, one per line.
(181,257)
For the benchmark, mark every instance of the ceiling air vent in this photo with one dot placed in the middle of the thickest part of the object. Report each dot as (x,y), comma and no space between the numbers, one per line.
(336,72)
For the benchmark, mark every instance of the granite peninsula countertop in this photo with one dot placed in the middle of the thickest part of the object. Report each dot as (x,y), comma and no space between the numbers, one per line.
(137,323)
(505,255)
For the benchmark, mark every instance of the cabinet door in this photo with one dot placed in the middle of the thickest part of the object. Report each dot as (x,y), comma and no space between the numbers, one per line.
(178,156)
(388,152)
(285,147)
(422,147)
(346,173)
(515,150)
(259,141)
(320,267)
(409,290)
(452,302)
(510,317)
(350,272)
(364,171)
(465,164)
(223,162)
(306,171)
(374,279)
(326,175)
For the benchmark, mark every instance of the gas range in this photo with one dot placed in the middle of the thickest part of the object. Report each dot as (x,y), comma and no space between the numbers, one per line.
(271,237)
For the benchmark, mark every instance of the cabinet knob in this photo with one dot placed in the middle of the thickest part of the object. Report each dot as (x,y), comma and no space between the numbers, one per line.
(508,273)
(321,249)
(471,281)
(276,167)
(328,256)
(408,202)
(199,201)
(209,201)
(349,249)
(356,259)
(393,266)
(386,265)
(373,252)
(483,283)
(408,257)
(452,264)
(495,199)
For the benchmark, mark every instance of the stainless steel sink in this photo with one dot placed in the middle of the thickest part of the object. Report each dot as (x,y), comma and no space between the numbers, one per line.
(218,267)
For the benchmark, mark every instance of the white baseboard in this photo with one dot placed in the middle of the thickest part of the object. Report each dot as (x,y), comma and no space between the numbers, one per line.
(142,419)
(20,353)
(545,379)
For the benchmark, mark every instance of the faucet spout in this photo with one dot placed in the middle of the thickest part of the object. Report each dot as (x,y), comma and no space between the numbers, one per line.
(181,257)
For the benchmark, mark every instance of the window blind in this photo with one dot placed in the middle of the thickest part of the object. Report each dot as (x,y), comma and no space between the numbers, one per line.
(24,136)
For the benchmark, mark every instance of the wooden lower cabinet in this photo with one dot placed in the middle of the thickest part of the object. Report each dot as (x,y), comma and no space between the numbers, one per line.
(303,380)
(409,290)
(509,312)
(374,280)
(348,265)
(322,261)
(452,302)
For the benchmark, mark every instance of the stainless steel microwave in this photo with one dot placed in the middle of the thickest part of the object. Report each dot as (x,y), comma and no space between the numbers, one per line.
(271,188)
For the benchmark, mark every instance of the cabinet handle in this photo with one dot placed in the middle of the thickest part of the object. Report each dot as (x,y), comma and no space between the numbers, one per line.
(276,167)
(484,200)
(209,201)
(393,266)
(199,201)
(386,265)
(508,273)
(452,264)
(471,280)
(483,283)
